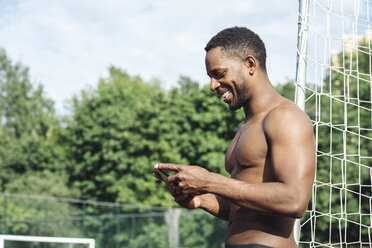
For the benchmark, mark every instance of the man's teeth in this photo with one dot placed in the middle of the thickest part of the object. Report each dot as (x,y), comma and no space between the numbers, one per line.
(225,95)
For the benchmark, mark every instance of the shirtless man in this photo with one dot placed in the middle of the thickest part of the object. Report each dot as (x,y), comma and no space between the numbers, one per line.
(271,159)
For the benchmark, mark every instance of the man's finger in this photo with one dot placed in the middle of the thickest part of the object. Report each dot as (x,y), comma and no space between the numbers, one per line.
(158,177)
(173,180)
(183,200)
(186,203)
(171,167)
(180,198)
(172,190)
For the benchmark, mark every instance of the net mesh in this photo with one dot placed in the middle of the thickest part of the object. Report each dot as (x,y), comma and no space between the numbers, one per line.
(338,100)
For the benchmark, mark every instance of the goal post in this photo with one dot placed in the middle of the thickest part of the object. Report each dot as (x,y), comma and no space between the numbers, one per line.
(300,93)
(89,242)
(333,84)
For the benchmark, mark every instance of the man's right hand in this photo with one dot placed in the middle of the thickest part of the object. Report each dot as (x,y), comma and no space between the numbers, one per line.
(209,202)
(185,200)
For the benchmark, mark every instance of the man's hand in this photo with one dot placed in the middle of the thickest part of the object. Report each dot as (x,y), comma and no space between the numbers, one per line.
(184,200)
(189,180)
(188,187)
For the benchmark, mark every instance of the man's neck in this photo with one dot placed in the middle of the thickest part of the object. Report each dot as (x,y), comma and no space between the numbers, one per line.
(262,98)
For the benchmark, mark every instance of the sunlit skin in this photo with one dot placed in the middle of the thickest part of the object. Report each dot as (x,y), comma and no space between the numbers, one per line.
(271,159)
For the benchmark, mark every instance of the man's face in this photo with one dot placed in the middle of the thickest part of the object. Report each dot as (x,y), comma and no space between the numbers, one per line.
(227,77)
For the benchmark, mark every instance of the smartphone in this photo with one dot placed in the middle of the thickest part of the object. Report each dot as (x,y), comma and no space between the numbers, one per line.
(162,174)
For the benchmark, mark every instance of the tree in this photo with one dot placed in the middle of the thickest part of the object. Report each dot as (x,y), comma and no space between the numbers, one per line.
(32,157)
(29,127)
(108,140)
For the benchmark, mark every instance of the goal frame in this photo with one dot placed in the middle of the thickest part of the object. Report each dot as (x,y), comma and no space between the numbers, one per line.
(43,239)
(300,92)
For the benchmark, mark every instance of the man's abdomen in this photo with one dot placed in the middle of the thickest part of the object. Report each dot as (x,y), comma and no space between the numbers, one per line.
(247,226)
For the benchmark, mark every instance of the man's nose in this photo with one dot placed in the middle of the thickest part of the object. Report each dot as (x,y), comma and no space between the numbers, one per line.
(214,84)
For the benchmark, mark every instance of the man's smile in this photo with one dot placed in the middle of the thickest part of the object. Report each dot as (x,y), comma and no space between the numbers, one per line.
(225,96)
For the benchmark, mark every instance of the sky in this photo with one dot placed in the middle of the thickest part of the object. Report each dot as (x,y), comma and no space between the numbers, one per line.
(68,45)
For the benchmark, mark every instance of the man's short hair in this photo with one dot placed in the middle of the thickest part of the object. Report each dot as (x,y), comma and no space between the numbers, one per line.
(240,42)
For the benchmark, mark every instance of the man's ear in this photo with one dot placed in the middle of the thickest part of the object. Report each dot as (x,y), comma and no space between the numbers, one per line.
(250,63)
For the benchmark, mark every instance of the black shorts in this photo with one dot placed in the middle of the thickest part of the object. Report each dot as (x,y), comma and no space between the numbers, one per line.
(247,246)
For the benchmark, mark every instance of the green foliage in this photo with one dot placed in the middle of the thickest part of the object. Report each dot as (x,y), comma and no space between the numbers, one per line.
(29,128)
(206,230)
(34,213)
(24,109)
(287,90)
(31,158)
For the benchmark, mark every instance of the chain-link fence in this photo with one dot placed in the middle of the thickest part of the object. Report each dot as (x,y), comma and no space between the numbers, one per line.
(112,225)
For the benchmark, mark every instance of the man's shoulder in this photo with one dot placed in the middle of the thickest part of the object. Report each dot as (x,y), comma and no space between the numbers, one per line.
(286,117)
(286,110)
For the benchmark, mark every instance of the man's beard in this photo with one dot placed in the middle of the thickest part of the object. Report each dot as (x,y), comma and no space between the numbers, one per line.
(241,92)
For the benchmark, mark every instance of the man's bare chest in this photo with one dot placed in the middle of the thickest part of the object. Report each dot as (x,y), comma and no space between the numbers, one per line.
(248,149)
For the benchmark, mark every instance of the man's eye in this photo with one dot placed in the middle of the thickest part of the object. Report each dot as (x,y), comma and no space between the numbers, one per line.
(220,75)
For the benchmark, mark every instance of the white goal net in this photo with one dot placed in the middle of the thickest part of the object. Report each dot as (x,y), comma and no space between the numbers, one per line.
(335,72)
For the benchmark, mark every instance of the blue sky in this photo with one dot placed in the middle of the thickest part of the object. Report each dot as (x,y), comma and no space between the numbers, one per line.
(69,44)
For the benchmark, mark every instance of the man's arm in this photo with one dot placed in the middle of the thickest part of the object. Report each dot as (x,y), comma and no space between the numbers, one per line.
(291,149)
